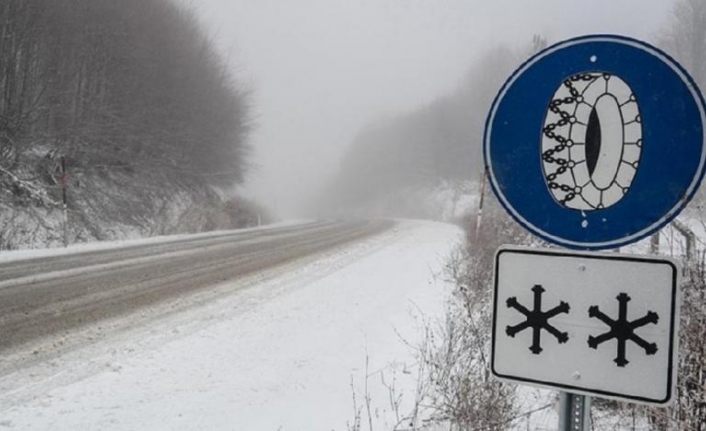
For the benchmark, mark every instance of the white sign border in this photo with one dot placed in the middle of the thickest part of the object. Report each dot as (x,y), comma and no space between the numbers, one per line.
(673,324)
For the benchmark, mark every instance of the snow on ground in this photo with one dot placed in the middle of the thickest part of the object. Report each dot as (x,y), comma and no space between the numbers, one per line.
(281,354)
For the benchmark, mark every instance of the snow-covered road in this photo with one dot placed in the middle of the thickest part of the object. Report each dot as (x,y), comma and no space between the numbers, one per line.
(48,296)
(279,352)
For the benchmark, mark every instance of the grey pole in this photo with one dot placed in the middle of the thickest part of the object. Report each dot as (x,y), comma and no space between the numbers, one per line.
(479,216)
(64,200)
(574,412)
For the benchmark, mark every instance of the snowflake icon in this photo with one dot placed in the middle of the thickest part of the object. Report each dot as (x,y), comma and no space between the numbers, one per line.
(537,319)
(622,329)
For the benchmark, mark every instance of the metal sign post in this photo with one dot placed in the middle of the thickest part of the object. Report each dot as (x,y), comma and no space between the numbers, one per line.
(592,144)
(64,180)
(574,412)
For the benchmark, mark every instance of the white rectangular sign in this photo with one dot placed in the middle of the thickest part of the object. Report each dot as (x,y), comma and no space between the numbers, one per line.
(590,323)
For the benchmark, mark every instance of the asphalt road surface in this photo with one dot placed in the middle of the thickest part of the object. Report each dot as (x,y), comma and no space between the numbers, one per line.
(54,295)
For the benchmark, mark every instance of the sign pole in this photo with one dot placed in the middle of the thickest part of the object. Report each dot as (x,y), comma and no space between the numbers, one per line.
(479,216)
(64,200)
(574,412)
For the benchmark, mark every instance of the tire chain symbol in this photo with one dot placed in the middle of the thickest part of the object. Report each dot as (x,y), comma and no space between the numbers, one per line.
(566,117)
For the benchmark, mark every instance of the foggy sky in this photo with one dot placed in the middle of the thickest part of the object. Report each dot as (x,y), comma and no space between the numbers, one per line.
(320,70)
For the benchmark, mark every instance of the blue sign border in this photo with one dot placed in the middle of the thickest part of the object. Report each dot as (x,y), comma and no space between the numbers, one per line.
(673,151)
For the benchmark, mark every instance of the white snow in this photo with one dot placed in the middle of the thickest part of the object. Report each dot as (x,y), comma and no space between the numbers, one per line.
(279,355)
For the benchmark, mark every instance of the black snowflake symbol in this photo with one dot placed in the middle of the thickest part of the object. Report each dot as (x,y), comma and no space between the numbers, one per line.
(537,319)
(622,330)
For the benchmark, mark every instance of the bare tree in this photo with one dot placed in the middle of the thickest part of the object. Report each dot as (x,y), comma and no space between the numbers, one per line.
(685,38)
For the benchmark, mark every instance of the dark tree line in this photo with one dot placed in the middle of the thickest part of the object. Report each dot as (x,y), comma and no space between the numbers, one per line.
(128,91)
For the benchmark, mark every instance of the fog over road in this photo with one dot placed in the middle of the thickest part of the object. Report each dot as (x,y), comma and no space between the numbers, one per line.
(51,296)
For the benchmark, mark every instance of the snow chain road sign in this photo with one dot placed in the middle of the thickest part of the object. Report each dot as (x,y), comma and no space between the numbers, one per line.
(590,323)
(596,142)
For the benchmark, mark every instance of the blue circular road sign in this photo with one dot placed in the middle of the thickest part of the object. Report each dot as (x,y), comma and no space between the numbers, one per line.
(596,142)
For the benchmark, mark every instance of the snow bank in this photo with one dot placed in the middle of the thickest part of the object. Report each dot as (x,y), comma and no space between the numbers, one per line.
(14,255)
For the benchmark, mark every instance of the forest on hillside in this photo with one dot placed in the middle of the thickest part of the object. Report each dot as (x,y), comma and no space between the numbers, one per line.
(126,105)
(395,163)
(410,164)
